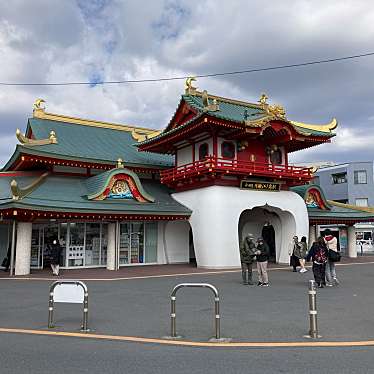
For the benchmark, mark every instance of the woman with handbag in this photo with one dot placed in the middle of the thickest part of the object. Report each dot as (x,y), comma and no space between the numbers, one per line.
(333,256)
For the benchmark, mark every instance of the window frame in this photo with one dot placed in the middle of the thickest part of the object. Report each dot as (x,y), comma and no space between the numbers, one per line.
(233,149)
(356,176)
(207,151)
(338,178)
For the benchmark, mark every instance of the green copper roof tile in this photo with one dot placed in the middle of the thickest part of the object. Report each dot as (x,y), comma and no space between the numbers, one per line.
(93,143)
(69,194)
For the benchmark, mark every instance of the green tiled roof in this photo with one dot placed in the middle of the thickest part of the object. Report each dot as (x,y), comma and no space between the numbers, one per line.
(91,144)
(334,212)
(228,110)
(96,185)
(69,194)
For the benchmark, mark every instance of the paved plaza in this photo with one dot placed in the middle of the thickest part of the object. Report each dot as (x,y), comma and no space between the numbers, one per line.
(140,308)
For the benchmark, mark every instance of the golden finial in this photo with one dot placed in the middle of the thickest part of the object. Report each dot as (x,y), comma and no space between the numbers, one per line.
(38,104)
(189,89)
(53,137)
(263,99)
(119,163)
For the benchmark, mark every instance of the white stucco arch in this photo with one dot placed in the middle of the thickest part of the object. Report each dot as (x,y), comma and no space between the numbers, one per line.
(216,211)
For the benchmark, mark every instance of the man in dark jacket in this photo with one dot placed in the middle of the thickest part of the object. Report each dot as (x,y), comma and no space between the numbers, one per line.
(55,257)
(247,257)
(262,255)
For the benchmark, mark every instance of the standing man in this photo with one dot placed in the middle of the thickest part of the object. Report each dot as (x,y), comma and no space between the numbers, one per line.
(262,255)
(247,257)
(55,257)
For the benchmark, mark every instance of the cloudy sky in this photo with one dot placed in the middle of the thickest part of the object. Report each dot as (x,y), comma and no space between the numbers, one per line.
(94,40)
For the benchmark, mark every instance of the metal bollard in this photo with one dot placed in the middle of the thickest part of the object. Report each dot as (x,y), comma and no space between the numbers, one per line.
(313,326)
(216,307)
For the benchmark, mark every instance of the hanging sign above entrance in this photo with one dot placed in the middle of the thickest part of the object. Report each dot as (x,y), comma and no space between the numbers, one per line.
(259,186)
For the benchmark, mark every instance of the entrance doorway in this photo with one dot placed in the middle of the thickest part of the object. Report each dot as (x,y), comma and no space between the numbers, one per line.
(276,226)
(268,234)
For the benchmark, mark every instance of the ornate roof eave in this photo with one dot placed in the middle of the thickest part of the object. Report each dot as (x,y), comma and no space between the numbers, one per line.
(19,193)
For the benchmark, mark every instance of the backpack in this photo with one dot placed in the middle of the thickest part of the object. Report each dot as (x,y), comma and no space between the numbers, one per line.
(320,255)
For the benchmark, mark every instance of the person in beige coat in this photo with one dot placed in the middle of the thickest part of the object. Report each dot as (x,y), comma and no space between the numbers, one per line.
(332,245)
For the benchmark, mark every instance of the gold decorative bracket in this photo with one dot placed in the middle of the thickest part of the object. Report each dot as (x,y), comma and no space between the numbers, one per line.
(19,193)
(52,139)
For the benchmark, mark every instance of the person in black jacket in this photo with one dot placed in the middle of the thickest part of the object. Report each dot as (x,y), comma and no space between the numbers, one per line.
(55,257)
(319,255)
(262,255)
(247,258)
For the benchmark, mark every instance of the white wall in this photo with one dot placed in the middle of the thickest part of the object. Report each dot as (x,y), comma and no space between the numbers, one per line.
(215,221)
(177,242)
(184,156)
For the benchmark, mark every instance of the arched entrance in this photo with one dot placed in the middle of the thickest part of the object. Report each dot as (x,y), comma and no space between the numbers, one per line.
(275,226)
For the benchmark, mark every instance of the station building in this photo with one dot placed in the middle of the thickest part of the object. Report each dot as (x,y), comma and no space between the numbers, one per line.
(118,195)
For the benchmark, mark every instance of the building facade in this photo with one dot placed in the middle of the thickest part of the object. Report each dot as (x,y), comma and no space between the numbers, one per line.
(349,183)
(118,195)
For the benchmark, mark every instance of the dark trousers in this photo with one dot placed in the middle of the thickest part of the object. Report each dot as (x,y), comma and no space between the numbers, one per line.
(319,273)
(247,269)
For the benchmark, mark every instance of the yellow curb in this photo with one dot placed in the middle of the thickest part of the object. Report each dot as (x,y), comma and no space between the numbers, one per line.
(186,343)
(166,275)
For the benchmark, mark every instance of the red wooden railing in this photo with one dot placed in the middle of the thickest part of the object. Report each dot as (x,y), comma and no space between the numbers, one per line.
(235,167)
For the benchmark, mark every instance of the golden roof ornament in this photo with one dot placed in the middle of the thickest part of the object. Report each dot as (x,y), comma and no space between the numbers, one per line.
(275,111)
(208,107)
(38,104)
(189,89)
(52,139)
(120,164)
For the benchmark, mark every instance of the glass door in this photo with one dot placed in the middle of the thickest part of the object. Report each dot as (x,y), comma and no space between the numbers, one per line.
(124,243)
(36,260)
(137,243)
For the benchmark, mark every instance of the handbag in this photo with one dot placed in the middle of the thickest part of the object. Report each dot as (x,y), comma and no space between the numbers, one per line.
(334,256)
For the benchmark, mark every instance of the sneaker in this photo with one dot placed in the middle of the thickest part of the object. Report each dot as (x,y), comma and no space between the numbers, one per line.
(320,286)
(303,270)
(259,284)
(336,281)
(265,285)
(329,285)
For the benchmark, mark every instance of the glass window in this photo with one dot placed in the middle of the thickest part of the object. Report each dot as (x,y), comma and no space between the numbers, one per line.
(339,178)
(360,177)
(150,242)
(316,179)
(362,202)
(75,250)
(203,151)
(228,150)
(92,249)
(104,243)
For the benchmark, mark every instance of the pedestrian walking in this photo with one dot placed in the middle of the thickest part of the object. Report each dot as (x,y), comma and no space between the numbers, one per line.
(333,256)
(55,257)
(247,257)
(318,253)
(6,261)
(262,256)
(303,250)
(294,251)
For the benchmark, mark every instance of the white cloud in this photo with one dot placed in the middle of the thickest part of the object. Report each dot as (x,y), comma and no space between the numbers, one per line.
(52,40)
